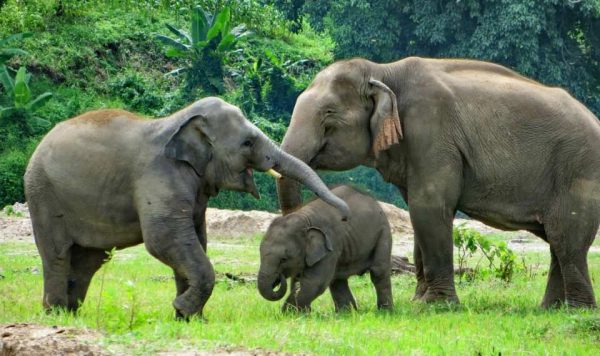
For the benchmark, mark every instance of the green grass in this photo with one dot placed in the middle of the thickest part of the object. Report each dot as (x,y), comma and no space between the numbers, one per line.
(130,303)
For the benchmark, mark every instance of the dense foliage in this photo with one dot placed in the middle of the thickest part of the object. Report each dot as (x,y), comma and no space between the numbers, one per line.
(554,41)
(105,53)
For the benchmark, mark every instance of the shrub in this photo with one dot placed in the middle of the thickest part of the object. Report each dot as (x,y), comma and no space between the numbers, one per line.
(501,260)
(12,169)
(204,48)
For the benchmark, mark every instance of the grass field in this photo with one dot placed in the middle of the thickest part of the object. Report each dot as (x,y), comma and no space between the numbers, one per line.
(130,303)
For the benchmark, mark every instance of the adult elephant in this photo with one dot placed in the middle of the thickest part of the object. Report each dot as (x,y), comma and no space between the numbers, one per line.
(461,134)
(109,179)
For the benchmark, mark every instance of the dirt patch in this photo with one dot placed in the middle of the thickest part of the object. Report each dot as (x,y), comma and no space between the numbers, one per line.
(34,340)
(15,225)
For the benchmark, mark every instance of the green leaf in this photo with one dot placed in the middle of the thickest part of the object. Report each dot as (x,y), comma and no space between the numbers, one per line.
(226,43)
(219,24)
(175,52)
(22,92)
(184,36)
(6,112)
(200,24)
(38,121)
(177,71)
(39,101)
(173,43)
(6,81)
(11,52)
(15,37)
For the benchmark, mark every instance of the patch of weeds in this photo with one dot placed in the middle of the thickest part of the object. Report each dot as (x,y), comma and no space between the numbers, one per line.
(9,210)
(586,324)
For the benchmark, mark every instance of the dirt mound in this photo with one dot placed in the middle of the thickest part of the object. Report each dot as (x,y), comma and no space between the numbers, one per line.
(237,223)
(398,218)
(15,224)
(34,340)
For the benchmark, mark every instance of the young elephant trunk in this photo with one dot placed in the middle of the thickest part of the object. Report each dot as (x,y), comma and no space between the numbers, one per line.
(267,284)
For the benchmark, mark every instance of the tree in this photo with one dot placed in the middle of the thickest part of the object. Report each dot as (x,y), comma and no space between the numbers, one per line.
(554,41)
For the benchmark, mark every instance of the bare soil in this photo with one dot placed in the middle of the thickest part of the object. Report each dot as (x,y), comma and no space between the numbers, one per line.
(40,340)
(238,224)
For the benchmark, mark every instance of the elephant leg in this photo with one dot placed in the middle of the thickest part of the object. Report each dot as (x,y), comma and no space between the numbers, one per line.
(420,274)
(555,289)
(432,222)
(56,275)
(291,303)
(570,234)
(314,282)
(84,263)
(185,255)
(342,296)
(380,271)
(55,250)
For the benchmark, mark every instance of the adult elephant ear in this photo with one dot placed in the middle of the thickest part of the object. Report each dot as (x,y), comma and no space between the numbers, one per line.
(317,246)
(191,142)
(386,129)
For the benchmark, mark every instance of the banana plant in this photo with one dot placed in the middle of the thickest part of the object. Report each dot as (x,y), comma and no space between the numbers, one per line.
(210,38)
(7,53)
(23,107)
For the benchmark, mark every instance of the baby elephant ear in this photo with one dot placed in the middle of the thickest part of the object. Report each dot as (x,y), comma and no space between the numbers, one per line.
(386,129)
(317,246)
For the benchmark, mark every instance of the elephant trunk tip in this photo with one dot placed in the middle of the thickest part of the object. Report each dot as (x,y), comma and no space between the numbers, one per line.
(268,287)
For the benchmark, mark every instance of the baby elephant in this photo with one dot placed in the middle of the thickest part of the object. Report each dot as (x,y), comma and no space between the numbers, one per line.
(317,250)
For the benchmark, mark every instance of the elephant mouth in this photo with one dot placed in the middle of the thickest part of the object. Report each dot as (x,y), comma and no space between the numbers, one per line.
(247,177)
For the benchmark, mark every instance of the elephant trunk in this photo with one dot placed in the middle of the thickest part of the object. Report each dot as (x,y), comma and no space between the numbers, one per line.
(294,169)
(267,284)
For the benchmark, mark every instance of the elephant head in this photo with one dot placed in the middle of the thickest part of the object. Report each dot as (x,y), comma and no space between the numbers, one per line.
(345,118)
(223,147)
(290,245)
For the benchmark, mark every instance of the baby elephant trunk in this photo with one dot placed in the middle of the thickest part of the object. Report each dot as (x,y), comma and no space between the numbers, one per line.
(267,284)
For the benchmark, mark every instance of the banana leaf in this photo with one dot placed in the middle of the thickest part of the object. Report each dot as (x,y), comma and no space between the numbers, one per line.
(6,80)
(179,33)
(15,37)
(21,90)
(171,42)
(200,24)
(39,101)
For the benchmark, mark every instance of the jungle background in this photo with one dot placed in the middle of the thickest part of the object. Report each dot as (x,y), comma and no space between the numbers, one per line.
(61,58)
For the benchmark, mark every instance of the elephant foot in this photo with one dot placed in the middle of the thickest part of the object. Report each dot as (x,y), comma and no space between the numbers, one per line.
(385,307)
(289,308)
(574,303)
(552,303)
(419,291)
(434,297)
(186,308)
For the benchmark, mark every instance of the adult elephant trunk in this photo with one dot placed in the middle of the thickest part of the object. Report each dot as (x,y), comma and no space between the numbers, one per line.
(267,284)
(296,171)
(299,142)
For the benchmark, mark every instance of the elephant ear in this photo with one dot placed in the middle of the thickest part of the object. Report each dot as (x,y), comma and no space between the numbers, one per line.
(192,143)
(386,129)
(317,246)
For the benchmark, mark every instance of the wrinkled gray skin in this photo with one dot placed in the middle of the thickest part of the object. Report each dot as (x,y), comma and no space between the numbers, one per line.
(109,179)
(317,250)
(461,134)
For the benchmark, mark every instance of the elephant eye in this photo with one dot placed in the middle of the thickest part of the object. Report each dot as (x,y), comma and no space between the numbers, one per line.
(247,143)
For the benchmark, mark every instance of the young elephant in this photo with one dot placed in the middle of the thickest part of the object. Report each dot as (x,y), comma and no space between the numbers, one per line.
(318,250)
(109,179)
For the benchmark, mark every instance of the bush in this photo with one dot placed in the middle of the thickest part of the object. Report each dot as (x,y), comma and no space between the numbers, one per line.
(501,260)
(12,168)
